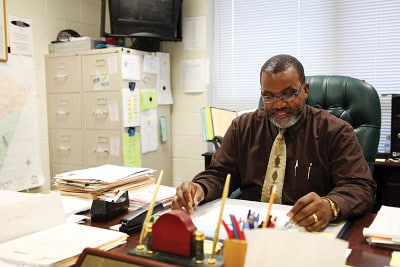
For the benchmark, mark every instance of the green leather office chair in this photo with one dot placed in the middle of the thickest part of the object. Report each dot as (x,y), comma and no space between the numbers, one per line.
(352,100)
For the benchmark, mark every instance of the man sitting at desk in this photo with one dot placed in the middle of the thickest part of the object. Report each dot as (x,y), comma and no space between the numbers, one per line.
(325,175)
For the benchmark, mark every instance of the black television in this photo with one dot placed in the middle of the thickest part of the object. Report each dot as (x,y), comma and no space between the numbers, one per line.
(144,20)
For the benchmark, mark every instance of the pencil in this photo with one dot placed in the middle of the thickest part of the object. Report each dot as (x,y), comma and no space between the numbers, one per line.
(150,211)
(271,200)
(224,197)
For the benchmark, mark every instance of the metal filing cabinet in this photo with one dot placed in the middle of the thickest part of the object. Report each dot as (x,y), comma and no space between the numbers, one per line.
(85,113)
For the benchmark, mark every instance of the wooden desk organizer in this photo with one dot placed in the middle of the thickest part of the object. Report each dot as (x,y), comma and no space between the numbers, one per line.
(234,252)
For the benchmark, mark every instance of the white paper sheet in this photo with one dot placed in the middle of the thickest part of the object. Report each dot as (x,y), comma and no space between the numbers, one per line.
(73,205)
(24,213)
(56,244)
(131,69)
(194,75)
(106,173)
(149,130)
(386,224)
(194,33)
(270,247)
(206,216)
(164,80)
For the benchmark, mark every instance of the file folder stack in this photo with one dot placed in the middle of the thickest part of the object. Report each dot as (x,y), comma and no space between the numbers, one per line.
(384,230)
(93,182)
(215,121)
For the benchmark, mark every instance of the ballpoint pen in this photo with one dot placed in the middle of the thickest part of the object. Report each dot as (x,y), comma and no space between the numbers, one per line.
(309,169)
(295,167)
(237,232)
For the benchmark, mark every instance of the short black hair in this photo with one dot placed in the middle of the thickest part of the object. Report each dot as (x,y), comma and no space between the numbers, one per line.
(282,62)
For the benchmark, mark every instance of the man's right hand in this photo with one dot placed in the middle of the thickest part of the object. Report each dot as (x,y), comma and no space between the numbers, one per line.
(188,196)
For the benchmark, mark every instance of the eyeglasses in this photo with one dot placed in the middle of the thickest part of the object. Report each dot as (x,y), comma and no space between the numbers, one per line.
(285,97)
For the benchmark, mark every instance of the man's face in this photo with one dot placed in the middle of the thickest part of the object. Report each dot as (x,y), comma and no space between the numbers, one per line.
(283,113)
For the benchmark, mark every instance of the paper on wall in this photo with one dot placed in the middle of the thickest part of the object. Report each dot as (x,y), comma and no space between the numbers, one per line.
(164,80)
(149,130)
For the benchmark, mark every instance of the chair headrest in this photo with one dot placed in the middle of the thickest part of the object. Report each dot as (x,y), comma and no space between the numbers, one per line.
(350,99)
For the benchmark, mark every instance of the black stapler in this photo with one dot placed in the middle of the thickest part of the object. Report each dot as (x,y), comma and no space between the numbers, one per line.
(132,222)
(102,210)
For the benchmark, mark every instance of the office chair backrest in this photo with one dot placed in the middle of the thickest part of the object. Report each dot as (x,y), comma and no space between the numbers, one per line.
(352,100)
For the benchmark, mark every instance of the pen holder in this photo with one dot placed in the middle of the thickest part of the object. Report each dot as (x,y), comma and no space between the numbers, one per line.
(234,252)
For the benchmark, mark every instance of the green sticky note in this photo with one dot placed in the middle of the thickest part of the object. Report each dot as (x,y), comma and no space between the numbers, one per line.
(148,100)
(132,150)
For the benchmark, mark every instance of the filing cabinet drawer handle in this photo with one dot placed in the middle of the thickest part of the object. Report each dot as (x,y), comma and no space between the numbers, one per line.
(99,113)
(100,62)
(64,148)
(99,150)
(61,76)
(62,114)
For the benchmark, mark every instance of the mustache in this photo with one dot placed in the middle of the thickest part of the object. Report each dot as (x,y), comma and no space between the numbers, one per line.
(286,110)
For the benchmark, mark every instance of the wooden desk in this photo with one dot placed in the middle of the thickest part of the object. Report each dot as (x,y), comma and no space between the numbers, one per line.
(362,254)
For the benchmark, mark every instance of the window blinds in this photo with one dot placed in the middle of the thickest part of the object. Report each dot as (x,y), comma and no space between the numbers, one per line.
(359,38)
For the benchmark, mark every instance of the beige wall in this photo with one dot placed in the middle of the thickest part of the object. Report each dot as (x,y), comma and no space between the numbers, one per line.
(50,16)
(187,145)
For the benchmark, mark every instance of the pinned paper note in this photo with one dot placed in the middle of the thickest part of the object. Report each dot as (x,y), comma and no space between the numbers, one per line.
(130,65)
(149,130)
(164,80)
(151,64)
(131,107)
(131,149)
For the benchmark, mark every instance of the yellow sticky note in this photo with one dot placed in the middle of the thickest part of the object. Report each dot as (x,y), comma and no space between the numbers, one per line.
(395,260)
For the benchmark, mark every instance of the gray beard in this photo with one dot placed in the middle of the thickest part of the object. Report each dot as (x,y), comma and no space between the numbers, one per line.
(286,123)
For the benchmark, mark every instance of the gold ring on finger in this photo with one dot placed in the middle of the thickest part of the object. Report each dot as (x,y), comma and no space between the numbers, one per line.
(315,218)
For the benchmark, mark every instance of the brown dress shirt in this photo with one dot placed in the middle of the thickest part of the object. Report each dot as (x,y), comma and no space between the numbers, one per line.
(323,156)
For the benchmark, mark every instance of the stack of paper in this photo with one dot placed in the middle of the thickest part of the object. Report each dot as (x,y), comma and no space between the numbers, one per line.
(385,229)
(93,182)
(33,232)
(144,195)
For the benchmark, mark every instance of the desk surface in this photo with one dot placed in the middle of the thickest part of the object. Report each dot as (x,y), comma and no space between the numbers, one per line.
(362,254)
